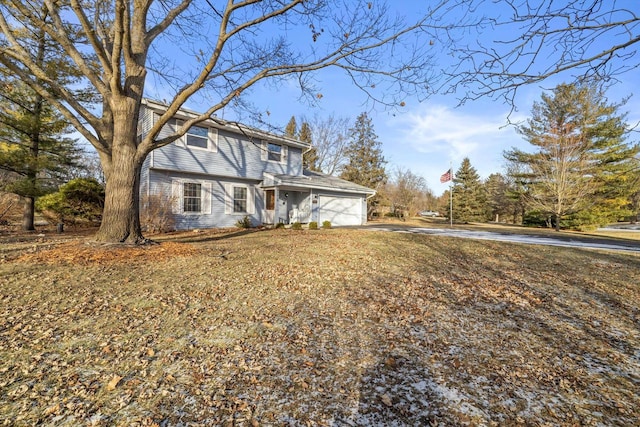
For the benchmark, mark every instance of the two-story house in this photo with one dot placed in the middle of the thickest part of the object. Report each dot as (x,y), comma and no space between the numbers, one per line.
(220,172)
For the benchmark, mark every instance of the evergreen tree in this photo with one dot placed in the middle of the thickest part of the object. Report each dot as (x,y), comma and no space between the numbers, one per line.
(581,168)
(634,199)
(365,164)
(499,204)
(34,143)
(292,128)
(310,157)
(469,200)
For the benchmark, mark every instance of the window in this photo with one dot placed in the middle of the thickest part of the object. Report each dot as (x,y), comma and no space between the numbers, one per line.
(192,197)
(239,199)
(198,136)
(274,152)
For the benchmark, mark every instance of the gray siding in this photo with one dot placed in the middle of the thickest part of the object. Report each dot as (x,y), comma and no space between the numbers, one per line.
(163,183)
(145,121)
(144,177)
(237,155)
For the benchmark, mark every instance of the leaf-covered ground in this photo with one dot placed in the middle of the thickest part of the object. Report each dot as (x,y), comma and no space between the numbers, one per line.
(327,327)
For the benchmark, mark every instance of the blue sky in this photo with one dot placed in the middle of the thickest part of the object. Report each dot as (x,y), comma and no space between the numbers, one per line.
(426,136)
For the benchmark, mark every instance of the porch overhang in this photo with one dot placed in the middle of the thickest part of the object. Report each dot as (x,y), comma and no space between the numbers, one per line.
(313,181)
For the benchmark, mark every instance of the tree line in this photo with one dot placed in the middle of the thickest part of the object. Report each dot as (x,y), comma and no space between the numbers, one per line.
(579,172)
(91,62)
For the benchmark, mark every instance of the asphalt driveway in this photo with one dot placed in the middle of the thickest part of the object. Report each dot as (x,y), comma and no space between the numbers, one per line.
(562,240)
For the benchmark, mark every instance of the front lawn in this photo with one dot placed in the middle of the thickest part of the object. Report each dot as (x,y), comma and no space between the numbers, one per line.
(326,327)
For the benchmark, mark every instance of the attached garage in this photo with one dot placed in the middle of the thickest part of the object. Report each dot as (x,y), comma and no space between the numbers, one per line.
(340,210)
(317,197)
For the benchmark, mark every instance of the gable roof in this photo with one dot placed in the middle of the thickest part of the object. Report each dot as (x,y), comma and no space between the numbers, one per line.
(319,180)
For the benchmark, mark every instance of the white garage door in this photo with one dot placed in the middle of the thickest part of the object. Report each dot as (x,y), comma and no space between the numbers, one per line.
(341,210)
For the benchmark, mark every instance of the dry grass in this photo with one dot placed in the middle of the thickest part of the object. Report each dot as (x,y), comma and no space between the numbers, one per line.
(337,327)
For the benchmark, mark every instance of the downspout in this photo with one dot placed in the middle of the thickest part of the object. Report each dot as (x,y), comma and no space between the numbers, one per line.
(303,153)
(367,201)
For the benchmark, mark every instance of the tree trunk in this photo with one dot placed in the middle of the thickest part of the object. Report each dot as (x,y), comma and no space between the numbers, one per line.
(34,147)
(121,214)
(28,214)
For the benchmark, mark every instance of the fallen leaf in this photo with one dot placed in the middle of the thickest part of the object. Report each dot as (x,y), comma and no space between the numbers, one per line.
(52,409)
(386,399)
(114,382)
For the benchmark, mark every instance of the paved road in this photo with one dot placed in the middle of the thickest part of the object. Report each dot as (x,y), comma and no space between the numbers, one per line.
(564,241)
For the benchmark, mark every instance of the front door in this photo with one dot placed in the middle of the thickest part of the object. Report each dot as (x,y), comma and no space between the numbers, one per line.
(269,206)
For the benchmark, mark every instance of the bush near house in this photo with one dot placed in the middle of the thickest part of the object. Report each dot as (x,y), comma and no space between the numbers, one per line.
(326,224)
(313,225)
(244,222)
(78,201)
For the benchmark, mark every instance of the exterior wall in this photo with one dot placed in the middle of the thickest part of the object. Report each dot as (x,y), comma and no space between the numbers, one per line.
(289,200)
(236,155)
(216,213)
(145,120)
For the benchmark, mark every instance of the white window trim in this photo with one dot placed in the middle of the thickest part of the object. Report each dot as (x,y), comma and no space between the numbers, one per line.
(212,138)
(284,152)
(229,200)
(177,193)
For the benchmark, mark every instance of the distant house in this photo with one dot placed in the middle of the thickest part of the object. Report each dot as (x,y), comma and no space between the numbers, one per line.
(220,172)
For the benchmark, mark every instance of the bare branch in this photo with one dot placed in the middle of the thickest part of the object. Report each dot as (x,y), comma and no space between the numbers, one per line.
(167,21)
(90,32)
(536,41)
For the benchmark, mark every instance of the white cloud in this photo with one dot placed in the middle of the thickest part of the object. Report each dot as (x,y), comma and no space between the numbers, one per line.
(454,133)
(429,137)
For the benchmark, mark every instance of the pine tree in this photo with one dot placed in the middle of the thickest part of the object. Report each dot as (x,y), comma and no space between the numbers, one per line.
(365,165)
(365,160)
(499,204)
(34,146)
(309,157)
(469,199)
(581,168)
(292,128)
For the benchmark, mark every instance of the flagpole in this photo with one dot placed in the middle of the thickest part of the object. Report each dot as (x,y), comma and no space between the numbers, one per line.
(451,196)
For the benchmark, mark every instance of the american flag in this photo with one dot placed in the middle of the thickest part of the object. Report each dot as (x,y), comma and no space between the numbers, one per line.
(445,176)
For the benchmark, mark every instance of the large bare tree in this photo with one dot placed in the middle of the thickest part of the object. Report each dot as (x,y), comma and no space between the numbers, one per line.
(330,139)
(527,42)
(214,51)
